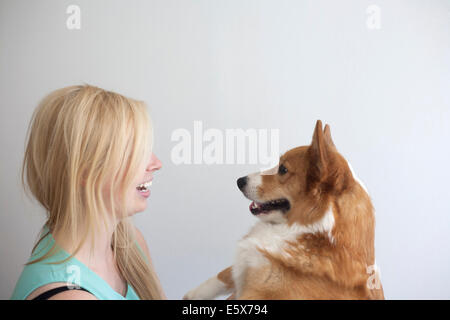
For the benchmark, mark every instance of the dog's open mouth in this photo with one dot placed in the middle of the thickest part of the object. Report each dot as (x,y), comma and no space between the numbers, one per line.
(257,208)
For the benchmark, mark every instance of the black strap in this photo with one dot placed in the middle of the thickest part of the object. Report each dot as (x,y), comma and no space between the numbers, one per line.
(47,294)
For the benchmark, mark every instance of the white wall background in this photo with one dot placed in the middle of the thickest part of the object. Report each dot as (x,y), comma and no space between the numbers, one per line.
(247,64)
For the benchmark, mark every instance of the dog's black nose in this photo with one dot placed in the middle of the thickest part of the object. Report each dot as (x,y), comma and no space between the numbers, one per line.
(241,182)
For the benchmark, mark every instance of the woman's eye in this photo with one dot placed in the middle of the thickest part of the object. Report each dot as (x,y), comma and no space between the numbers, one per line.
(282,170)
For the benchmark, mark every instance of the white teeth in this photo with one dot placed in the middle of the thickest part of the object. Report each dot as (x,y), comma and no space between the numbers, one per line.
(145,185)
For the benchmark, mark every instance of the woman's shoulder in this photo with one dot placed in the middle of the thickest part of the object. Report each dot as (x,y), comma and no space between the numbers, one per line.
(65,295)
(73,295)
(45,271)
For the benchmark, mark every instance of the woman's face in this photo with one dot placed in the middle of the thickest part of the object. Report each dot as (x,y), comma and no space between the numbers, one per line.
(137,200)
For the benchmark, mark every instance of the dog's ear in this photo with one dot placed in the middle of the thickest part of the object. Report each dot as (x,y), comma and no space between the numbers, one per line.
(325,169)
(319,153)
(327,136)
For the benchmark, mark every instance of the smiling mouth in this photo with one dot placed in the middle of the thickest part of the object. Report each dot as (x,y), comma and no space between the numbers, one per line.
(257,208)
(144,187)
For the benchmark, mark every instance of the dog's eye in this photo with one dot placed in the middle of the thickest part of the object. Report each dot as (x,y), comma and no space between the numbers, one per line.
(282,170)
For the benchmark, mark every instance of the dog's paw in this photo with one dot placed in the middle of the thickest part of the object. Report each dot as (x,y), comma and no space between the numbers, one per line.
(195,294)
(208,290)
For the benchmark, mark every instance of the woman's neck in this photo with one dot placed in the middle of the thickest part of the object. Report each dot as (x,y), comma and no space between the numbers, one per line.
(98,256)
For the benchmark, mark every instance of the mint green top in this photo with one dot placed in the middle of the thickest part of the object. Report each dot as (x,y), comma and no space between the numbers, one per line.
(73,271)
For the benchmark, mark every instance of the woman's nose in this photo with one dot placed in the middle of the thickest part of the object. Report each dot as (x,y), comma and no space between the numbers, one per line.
(154,164)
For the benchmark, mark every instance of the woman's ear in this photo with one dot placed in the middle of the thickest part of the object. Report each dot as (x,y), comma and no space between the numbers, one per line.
(83,179)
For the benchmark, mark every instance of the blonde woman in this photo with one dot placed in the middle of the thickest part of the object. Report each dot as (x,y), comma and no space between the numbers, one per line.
(87,160)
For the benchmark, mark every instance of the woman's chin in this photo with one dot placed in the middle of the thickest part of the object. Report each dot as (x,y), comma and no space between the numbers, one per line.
(137,210)
(141,206)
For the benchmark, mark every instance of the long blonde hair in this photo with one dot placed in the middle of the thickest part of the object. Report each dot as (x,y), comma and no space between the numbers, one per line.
(82,139)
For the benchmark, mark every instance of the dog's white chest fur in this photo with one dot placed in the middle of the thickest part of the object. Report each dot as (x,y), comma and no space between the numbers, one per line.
(273,239)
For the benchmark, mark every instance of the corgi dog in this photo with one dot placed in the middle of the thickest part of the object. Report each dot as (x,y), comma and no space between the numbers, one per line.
(315,234)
